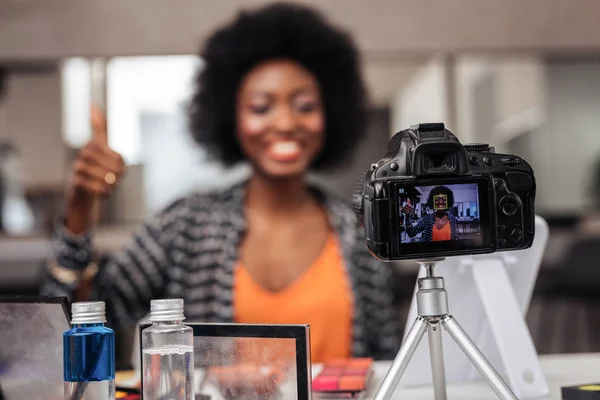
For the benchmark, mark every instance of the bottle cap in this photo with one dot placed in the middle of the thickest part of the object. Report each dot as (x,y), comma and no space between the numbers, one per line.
(164,310)
(88,312)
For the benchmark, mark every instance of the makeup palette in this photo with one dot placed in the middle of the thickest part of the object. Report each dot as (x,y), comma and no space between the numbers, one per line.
(343,378)
(127,394)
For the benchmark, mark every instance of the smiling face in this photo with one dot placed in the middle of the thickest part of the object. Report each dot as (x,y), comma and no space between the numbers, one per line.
(440,202)
(280,118)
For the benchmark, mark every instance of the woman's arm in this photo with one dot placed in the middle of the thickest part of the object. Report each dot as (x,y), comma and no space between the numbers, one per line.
(126,281)
(414,229)
(93,176)
(383,324)
(453,227)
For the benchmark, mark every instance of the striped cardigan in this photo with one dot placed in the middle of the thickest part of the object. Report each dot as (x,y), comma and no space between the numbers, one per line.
(425,225)
(190,249)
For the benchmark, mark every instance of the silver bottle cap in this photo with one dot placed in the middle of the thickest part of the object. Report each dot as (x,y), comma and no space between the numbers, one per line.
(164,310)
(88,312)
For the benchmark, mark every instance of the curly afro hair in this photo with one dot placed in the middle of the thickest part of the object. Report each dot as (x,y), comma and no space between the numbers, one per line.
(441,190)
(277,31)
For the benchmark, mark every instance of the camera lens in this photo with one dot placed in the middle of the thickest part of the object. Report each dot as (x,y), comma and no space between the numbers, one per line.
(509,206)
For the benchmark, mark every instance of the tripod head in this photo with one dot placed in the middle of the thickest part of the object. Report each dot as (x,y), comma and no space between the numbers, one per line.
(432,298)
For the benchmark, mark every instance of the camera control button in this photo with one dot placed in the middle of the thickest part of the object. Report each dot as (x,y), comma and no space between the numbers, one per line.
(509,206)
(517,234)
(474,160)
(511,161)
(394,166)
(499,185)
(489,161)
(502,243)
(501,228)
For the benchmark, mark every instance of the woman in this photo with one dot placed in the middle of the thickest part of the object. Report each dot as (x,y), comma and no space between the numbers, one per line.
(440,225)
(282,90)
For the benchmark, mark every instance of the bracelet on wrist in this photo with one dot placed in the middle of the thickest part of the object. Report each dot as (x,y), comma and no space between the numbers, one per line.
(70,276)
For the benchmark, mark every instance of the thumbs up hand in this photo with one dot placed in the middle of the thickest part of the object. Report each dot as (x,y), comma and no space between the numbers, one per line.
(98,121)
(408,207)
(95,173)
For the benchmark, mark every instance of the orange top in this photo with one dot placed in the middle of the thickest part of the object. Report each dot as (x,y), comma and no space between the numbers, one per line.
(441,234)
(320,297)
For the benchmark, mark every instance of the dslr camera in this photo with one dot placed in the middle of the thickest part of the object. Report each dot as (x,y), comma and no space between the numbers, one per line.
(430,196)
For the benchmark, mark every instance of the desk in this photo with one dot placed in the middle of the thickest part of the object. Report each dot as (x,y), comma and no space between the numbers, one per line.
(559,370)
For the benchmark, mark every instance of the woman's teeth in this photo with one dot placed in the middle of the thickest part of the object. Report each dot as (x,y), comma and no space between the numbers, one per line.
(285,148)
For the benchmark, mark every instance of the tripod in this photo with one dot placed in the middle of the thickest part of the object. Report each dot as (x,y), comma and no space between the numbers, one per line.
(432,306)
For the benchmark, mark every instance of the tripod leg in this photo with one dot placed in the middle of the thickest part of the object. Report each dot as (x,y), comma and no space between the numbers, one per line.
(478,359)
(437,361)
(408,348)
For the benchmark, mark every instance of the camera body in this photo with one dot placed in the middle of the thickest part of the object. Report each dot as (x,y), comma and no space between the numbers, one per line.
(430,196)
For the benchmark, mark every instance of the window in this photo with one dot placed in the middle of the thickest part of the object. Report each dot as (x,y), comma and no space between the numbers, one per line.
(142,86)
(76,82)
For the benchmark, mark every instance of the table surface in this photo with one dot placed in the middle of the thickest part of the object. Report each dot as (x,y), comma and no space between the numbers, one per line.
(559,370)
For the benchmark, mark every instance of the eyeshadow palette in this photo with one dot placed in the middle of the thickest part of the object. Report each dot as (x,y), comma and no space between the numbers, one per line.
(343,378)
(127,394)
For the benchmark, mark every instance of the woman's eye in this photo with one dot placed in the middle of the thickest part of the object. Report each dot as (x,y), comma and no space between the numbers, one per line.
(307,107)
(259,108)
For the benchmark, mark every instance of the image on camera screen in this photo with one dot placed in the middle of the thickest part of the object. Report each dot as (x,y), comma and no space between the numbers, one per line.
(439,213)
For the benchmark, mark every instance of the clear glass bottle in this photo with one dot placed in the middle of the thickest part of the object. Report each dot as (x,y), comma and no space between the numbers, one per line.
(167,353)
(89,354)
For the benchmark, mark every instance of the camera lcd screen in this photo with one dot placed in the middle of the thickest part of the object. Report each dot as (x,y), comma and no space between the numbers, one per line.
(443,216)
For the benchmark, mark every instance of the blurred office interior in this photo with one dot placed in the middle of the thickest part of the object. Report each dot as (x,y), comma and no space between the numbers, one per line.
(522,76)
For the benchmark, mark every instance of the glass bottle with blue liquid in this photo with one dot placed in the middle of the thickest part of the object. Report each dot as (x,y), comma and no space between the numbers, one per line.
(89,354)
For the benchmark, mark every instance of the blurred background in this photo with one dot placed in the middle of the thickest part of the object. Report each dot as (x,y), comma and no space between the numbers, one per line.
(521,75)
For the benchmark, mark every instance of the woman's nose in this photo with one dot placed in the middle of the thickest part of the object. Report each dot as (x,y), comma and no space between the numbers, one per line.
(285,120)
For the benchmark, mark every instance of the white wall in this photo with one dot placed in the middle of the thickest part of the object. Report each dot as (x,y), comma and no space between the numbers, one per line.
(423,98)
(385,79)
(572,134)
(545,112)
(468,71)
(521,97)
(518,96)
